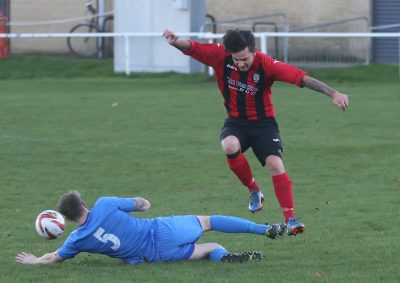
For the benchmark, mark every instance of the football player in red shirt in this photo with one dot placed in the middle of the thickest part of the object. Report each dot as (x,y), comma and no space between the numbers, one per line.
(245,77)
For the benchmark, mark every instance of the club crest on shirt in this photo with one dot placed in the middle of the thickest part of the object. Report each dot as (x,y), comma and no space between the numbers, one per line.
(256,77)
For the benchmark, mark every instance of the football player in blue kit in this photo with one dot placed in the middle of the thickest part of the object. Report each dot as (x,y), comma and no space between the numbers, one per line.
(109,229)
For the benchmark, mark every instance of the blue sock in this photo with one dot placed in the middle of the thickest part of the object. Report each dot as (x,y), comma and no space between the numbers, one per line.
(217,254)
(231,224)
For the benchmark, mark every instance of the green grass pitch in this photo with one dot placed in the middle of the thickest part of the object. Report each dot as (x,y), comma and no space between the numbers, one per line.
(156,136)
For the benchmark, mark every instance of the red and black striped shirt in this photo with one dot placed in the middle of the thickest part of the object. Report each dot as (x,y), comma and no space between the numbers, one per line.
(247,95)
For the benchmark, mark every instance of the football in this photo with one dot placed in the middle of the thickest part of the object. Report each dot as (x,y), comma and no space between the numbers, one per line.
(50,224)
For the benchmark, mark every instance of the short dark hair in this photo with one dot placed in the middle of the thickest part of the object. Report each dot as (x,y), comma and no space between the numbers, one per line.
(236,40)
(70,205)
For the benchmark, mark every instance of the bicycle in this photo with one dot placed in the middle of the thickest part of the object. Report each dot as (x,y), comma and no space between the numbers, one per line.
(88,47)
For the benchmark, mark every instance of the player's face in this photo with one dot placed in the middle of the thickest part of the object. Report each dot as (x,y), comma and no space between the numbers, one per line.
(243,59)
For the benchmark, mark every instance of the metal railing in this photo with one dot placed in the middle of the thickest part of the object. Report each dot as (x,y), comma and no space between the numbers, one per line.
(338,51)
(275,22)
(335,51)
(391,26)
(243,23)
(208,36)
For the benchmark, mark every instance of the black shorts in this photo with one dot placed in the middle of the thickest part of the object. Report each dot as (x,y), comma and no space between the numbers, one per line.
(262,136)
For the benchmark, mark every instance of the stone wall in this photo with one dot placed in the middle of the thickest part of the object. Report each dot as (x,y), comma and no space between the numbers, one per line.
(301,14)
(52,12)
(297,13)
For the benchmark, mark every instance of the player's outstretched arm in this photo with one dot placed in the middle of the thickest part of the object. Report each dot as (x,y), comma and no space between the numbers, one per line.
(174,40)
(141,204)
(28,258)
(339,99)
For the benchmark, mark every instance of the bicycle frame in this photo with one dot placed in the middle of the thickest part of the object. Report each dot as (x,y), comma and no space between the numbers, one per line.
(86,47)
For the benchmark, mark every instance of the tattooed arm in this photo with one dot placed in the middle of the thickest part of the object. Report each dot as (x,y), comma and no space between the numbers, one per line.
(141,204)
(339,99)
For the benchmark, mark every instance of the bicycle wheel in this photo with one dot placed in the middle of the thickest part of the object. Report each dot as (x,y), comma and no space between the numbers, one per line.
(84,46)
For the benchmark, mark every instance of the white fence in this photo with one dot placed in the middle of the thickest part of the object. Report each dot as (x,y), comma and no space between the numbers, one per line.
(210,37)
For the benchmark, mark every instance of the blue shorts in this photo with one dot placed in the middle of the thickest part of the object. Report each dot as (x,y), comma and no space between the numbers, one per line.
(175,237)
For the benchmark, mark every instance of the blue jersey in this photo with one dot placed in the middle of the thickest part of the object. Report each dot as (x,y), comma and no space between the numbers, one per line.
(111,230)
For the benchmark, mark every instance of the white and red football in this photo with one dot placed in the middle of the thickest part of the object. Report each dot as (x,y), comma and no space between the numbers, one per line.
(50,224)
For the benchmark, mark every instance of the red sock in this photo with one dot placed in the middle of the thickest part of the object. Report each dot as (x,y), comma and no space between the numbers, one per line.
(284,194)
(241,168)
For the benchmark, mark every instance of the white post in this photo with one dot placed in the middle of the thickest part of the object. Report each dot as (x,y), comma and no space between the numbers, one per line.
(210,70)
(263,40)
(367,43)
(127,59)
(100,21)
(286,45)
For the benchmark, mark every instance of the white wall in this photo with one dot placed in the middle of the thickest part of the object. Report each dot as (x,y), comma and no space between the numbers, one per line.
(153,16)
